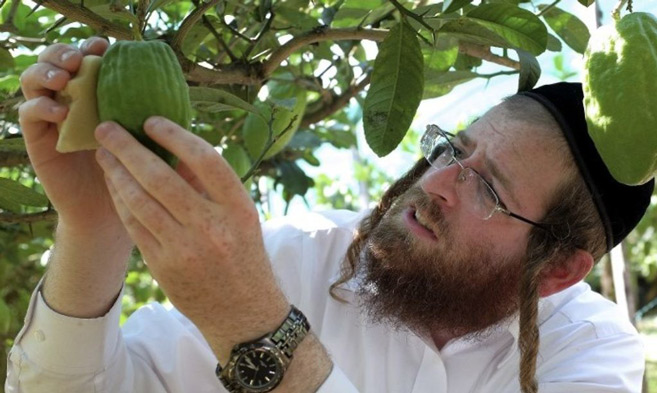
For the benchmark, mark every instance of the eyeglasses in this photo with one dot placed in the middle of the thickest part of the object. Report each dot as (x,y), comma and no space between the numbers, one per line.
(476,193)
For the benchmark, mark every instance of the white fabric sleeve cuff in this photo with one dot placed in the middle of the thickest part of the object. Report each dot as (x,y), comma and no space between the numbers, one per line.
(336,382)
(69,345)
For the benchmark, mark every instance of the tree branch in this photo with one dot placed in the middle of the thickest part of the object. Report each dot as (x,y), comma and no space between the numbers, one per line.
(189,22)
(87,17)
(142,7)
(13,218)
(484,53)
(318,35)
(255,73)
(335,105)
(13,158)
(219,38)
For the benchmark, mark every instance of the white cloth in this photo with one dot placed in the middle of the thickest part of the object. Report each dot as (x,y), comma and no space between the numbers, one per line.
(586,344)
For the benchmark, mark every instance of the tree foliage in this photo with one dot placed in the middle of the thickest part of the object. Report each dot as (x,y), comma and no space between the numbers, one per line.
(250,63)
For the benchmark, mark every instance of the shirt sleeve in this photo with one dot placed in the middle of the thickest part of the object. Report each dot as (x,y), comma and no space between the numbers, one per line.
(53,351)
(337,381)
(610,364)
(156,351)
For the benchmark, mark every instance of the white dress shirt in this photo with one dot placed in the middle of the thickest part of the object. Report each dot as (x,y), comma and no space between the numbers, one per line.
(587,345)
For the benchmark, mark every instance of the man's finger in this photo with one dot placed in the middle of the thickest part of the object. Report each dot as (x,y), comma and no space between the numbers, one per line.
(66,57)
(141,206)
(216,175)
(141,236)
(36,117)
(41,79)
(151,172)
(94,46)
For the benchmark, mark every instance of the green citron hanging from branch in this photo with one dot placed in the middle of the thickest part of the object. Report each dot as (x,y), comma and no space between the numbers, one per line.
(133,81)
(289,104)
(620,77)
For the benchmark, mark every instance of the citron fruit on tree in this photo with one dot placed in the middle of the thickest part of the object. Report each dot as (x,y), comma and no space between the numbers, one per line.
(133,81)
(140,79)
(286,115)
(620,98)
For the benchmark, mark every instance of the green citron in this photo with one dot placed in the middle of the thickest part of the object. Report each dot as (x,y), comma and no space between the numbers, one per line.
(140,79)
(620,78)
(239,160)
(286,120)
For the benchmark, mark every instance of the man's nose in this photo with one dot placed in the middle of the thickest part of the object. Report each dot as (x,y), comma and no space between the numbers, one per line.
(440,184)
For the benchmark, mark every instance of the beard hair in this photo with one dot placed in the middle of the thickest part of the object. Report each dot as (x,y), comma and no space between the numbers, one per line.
(442,287)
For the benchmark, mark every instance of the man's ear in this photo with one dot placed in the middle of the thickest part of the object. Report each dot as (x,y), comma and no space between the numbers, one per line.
(565,273)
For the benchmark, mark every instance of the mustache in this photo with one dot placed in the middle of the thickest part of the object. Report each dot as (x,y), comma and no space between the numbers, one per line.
(429,208)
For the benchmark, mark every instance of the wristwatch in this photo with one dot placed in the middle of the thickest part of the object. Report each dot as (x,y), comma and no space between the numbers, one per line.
(258,366)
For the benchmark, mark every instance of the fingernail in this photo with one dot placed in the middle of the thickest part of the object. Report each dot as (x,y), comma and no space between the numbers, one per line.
(67,55)
(85,45)
(51,74)
(103,129)
(57,108)
(153,121)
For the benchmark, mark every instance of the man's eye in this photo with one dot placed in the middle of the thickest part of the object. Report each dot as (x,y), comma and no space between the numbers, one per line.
(458,153)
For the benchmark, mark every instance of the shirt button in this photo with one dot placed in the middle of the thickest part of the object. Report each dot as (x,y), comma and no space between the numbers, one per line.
(40,336)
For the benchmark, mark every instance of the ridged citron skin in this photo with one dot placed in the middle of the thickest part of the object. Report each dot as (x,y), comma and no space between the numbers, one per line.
(140,79)
(620,78)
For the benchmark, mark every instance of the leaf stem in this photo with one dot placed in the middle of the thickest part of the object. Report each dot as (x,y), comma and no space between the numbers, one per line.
(417,18)
(617,10)
(546,9)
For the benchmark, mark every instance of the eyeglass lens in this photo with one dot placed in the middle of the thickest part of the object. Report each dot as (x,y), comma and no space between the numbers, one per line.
(471,188)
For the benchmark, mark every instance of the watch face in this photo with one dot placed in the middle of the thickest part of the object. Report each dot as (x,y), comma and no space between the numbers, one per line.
(258,369)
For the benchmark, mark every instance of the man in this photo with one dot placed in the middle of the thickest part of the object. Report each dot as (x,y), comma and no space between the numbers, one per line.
(435,290)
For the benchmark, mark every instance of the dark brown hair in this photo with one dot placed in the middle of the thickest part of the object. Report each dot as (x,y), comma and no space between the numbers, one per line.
(571,216)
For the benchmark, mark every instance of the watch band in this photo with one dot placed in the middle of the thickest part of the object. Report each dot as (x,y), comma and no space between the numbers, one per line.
(285,339)
(288,336)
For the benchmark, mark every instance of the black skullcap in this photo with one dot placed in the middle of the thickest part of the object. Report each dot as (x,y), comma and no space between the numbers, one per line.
(620,206)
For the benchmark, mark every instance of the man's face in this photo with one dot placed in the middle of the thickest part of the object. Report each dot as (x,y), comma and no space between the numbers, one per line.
(431,264)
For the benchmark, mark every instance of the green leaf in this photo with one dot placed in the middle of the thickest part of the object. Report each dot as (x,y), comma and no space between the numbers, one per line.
(6,60)
(5,318)
(467,30)
(567,26)
(439,84)
(10,83)
(553,43)
(520,28)
(158,4)
(13,195)
(454,5)
(395,90)
(293,179)
(289,16)
(21,62)
(27,25)
(586,3)
(352,12)
(197,34)
(442,56)
(238,158)
(218,100)
(13,145)
(530,70)
(466,62)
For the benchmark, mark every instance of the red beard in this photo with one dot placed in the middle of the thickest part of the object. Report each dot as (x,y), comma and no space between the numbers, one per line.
(443,286)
